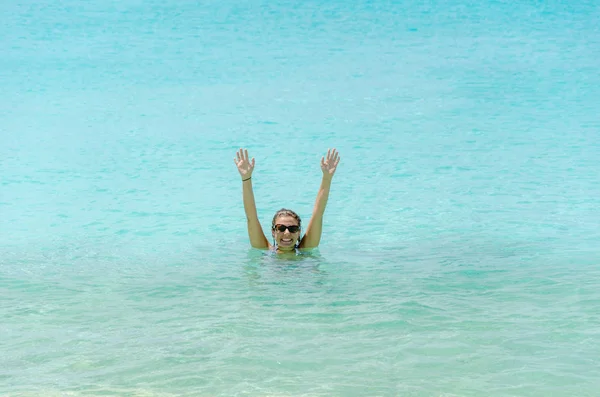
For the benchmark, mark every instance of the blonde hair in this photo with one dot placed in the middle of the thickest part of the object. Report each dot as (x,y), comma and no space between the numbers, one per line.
(285,212)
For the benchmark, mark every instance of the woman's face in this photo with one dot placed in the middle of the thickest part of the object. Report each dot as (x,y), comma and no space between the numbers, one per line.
(286,239)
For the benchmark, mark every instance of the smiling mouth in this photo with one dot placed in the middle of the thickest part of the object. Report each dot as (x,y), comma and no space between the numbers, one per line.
(286,241)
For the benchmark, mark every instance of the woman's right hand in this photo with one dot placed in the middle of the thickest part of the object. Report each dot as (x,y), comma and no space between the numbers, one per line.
(243,164)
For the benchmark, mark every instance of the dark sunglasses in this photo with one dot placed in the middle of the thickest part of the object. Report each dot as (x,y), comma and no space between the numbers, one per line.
(292,229)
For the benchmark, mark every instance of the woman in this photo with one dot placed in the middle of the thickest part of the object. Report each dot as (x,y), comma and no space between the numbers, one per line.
(286,227)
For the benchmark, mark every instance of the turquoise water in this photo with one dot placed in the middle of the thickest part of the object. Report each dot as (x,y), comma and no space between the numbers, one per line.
(460,254)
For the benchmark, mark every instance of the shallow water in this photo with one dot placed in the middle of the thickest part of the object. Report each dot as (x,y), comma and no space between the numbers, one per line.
(460,249)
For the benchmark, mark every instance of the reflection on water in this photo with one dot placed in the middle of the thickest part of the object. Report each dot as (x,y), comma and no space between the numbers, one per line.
(302,268)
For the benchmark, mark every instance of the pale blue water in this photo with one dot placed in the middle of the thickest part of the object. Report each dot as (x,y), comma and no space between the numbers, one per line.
(460,254)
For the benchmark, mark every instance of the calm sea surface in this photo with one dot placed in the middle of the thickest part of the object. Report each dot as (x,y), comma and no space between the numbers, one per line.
(461,248)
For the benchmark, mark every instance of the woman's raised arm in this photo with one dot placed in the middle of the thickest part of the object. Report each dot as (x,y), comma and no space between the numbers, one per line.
(245,168)
(312,237)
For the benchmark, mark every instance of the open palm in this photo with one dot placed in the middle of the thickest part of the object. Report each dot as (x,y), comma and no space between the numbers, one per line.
(330,162)
(244,165)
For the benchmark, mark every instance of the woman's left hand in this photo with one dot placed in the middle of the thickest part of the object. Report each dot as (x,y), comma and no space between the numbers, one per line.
(329,163)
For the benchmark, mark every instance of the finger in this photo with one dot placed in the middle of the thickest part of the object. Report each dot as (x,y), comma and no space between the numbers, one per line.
(239,155)
(246,154)
(252,162)
(322,161)
(333,155)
